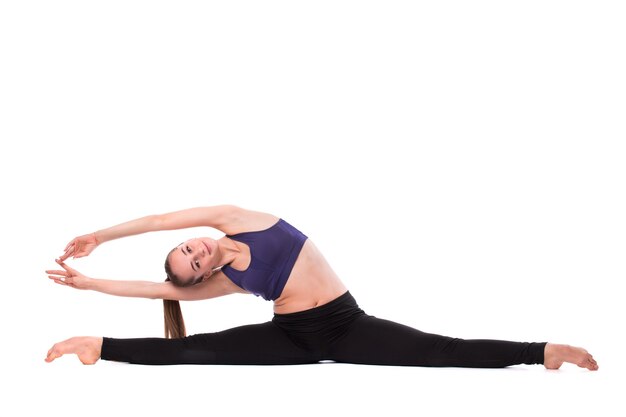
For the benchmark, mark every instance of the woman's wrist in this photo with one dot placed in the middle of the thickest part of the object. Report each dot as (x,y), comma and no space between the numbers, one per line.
(90,284)
(98,237)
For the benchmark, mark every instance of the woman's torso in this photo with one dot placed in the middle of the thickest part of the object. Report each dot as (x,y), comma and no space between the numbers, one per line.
(311,282)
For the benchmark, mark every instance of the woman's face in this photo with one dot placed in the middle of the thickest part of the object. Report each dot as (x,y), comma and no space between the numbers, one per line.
(193,260)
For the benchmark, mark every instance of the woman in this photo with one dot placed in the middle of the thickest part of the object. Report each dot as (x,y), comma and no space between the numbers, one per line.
(315,317)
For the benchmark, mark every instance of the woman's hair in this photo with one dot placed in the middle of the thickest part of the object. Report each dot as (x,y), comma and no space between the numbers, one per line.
(174,322)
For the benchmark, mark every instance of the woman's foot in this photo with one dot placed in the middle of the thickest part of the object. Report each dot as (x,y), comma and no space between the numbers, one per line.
(555,355)
(87,348)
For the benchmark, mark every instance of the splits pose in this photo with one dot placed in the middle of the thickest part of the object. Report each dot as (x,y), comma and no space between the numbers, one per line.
(315,316)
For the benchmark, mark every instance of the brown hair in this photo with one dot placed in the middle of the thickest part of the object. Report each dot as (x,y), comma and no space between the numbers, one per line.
(173,315)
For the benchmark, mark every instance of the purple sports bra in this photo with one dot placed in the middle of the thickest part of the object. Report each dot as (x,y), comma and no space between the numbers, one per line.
(273,253)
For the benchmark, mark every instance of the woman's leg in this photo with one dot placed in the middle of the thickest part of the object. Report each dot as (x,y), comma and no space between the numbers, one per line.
(256,344)
(382,342)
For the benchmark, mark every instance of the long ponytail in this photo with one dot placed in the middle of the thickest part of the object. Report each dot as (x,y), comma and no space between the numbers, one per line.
(173,315)
(174,322)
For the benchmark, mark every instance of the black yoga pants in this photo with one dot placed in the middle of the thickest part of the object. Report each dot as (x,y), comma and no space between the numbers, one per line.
(339,331)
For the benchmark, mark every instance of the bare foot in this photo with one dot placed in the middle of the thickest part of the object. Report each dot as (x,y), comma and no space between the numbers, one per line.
(555,355)
(87,348)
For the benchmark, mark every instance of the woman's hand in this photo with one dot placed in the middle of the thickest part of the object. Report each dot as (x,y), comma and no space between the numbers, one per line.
(69,276)
(80,246)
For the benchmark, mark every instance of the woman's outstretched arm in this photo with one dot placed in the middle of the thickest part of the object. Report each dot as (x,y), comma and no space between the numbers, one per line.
(218,217)
(215,286)
(214,216)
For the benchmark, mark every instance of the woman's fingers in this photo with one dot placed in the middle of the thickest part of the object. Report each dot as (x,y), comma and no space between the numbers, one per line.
(63,265)
(60,274)
(62,277)
(58,280)
(68,270)
(68,253)
(63,280)
(67,276)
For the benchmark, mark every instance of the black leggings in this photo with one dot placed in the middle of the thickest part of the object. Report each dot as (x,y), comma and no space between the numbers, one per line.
(339,331)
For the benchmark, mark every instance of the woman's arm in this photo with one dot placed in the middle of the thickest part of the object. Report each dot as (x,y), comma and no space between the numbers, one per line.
(226,218)
(216,286)
(221,217)
(211,288)
(218,217)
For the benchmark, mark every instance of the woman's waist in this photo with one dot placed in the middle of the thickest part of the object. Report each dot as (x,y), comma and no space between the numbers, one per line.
(306,291)
(290,303)
(341,307)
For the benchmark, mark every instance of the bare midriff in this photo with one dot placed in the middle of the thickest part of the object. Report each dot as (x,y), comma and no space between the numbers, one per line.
(312,283)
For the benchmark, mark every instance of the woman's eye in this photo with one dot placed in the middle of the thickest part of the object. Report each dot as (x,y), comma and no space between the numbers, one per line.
(197,264)
(188,249)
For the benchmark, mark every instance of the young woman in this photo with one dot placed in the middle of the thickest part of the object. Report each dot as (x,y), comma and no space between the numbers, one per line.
(315,317)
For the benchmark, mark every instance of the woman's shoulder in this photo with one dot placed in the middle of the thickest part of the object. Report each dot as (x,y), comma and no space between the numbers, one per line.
(244,220)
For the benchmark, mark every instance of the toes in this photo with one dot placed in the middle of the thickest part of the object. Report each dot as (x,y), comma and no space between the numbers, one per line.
(589,363)
(56,351)
(593,363)
(52,355)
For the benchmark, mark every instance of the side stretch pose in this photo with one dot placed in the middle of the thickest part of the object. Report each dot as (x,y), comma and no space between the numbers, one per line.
(315,316)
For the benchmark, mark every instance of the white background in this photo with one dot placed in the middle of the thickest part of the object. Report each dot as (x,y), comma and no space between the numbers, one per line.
(460,164)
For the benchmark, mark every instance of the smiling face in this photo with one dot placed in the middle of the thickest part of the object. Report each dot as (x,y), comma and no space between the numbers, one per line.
(193,260)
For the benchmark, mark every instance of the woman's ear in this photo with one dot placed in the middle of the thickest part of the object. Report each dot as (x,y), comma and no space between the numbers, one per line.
(207,275)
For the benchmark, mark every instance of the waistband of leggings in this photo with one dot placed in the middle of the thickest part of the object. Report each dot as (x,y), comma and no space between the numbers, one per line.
(329,307)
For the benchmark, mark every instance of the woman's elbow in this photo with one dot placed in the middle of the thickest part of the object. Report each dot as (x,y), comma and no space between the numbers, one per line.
(163,291)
